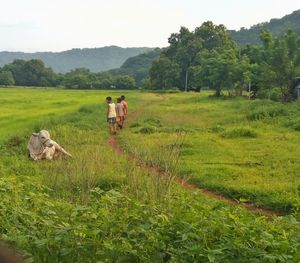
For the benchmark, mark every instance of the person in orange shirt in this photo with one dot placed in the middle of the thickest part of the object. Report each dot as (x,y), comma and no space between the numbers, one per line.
(125,105)
(120,113)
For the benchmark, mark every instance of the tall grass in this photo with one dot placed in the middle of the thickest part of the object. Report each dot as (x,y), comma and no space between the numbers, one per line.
(103,207)
(243,149)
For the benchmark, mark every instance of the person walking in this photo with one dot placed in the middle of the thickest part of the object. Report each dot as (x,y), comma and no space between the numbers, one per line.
(125,105)
(111,116)
(120,113)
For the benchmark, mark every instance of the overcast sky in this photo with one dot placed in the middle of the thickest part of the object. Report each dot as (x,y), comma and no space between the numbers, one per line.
(55,25)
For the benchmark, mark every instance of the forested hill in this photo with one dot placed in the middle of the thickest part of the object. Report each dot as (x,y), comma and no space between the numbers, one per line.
(95,59)
(277,27)
(138,66)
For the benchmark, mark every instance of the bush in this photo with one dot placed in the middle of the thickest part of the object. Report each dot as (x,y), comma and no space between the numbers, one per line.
(240,132)
(267,112)
(296,126)
(153,122)
(147,130)
(275,94)
(134,125)
(216,129)
(272,94)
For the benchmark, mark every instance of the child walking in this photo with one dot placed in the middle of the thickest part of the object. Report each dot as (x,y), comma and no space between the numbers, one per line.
(111,116)
(125,105)
(120,113)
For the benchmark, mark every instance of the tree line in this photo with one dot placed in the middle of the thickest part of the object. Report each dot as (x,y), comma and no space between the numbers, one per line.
(209,57)
(206,57)
(35,73)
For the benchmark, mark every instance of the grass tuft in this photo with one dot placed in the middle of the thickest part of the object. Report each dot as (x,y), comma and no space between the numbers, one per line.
(267,112)
(147,130)
(240,132)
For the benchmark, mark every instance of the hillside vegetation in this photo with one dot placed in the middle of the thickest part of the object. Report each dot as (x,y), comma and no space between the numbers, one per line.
(102,207)
(277,26)
(138,66)
(94,59)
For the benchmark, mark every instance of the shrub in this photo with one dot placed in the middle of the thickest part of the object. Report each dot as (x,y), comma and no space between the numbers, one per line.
(267,112)
(296,126)
(216,129)
(134,124)
(147,130)
(153,122)
(240,132)
(275,94)
(272,94)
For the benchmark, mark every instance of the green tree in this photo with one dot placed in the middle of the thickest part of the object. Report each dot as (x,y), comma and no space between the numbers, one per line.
(6,78)
(280,62)
(31,73)
(183,49)
(186,46)
(104,80)
(214,36)
(215,68)
(80,78)
(125,82)
(242,74)
(163,73)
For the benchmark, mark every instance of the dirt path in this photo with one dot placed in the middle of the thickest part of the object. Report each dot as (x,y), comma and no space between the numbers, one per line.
(184,183)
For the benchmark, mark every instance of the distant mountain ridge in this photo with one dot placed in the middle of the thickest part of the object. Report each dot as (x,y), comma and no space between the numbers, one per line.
(277,26)
(95,59)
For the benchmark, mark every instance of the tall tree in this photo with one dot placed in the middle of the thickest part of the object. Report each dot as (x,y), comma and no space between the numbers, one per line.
(183,49)
(125,82)
(31,73)
(6,78)
(186,45)
(163,73)
(280,62)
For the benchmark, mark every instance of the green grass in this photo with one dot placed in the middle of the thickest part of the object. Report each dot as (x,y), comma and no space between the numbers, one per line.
(243,149)
(101,207)
(22,107)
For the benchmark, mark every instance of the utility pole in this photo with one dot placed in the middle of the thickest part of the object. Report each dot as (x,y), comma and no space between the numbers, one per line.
(186,80)
(249,90)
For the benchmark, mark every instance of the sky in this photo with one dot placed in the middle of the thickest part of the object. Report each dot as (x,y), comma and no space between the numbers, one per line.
(56,25)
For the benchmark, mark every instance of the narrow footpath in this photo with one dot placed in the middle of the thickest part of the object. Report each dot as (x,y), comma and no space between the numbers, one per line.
(184,183)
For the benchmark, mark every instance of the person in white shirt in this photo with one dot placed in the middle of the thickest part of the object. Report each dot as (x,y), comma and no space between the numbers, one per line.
(111,116)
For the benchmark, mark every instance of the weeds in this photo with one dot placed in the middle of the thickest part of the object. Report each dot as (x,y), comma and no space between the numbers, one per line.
(240,132)
(213,161)
(102,207)
(267,112)
(147,130)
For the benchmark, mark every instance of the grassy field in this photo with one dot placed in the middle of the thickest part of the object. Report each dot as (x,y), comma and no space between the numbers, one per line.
(100,207)
(248,150)
(22,107)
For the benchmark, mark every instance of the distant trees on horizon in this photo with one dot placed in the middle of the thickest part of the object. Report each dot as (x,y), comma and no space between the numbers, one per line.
(34,73)
(206,57)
